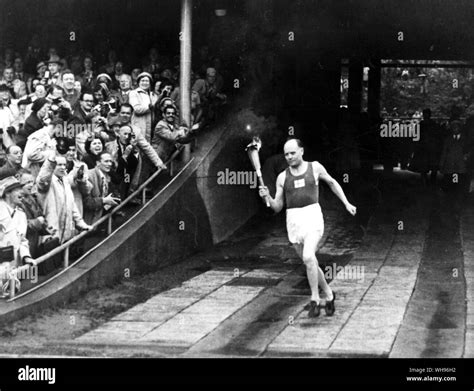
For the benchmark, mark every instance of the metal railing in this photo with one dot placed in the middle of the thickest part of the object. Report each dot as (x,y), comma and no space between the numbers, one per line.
(107,218)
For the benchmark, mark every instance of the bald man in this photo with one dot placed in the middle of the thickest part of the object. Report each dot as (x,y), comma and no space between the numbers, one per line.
(298,187)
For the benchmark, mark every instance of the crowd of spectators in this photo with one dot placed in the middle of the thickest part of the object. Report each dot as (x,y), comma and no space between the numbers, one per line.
(76,138)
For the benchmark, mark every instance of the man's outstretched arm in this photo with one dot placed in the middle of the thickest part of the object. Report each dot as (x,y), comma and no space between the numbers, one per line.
(336,189)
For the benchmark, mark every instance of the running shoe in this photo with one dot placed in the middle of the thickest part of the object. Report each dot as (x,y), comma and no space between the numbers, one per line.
(313,309)
(330,307)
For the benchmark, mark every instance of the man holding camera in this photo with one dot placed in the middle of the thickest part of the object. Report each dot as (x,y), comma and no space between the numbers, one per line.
(82,118)
(153,161)
(126,156)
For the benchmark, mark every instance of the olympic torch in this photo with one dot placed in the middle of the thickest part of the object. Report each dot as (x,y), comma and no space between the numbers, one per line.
(252,150)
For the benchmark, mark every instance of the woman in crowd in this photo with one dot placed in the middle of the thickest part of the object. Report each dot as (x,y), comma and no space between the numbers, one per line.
(143,101)
(93,148)
(35,121)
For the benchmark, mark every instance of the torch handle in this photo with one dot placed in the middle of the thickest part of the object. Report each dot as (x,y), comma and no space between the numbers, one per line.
(261,183)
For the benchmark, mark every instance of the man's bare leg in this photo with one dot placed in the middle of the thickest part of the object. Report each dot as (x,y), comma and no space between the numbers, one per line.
(321,280)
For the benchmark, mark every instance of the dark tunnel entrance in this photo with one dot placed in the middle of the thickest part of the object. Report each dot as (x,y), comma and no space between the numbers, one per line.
(373,94)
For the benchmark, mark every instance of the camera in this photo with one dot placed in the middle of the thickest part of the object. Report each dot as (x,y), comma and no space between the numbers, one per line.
(102,108)
(101,122)
(130,137)
(46,78)
(58,109)
(106,108)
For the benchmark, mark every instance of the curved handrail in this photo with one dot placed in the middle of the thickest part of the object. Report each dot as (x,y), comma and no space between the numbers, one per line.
(65,246)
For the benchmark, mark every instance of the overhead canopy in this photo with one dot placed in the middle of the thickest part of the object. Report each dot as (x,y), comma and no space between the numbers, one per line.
(428,29)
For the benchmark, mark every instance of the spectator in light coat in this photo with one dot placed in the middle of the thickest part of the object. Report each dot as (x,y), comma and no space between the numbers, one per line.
(143,101)
(38,146)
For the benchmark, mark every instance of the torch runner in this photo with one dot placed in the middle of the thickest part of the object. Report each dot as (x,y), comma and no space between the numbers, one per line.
(252,150)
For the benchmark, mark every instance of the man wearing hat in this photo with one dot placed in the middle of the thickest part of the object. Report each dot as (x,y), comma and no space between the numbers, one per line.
(104,78)
(143,101)
(41,68)
(53,68)
(14,220)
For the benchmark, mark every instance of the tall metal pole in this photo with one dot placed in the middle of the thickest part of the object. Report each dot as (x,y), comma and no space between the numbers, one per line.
(185,71)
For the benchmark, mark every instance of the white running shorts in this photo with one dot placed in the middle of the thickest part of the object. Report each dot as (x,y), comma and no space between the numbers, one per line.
(302,222)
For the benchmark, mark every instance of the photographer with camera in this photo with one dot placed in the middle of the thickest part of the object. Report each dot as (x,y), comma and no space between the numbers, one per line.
(105,102)
(60,107)
(126,156)
(88,122)
(82,119)
(153,161)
